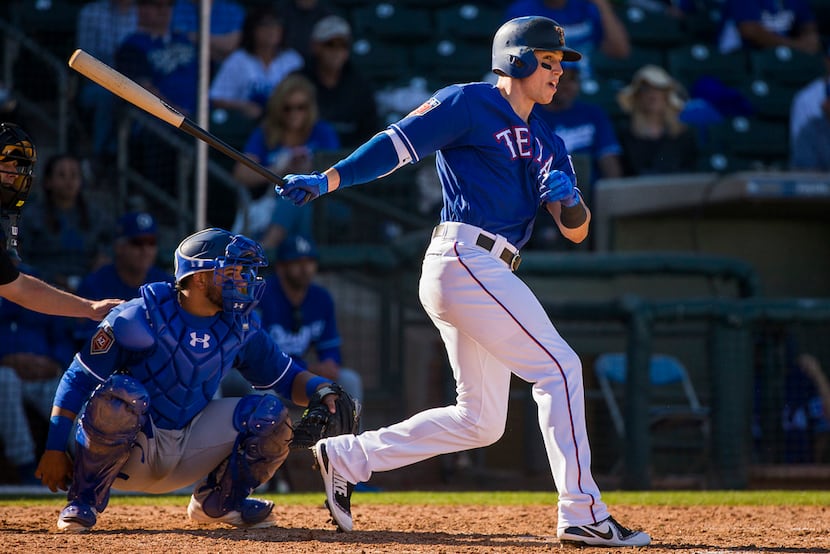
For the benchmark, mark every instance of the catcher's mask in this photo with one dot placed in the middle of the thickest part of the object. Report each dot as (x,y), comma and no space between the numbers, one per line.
(217,250)
(17,162)
(516,40)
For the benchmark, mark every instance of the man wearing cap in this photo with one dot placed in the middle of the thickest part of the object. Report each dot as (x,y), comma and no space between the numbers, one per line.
(135,252)
(345,98)
(300,316)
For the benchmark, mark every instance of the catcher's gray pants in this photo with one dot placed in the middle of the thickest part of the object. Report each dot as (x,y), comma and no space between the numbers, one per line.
(172,459)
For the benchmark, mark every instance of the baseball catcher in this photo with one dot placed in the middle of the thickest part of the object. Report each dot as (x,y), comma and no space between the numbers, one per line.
(318,421)
(147,379)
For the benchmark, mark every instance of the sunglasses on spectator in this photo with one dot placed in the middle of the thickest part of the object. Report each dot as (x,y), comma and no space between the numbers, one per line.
(336,44)
(140,242)
(295,108)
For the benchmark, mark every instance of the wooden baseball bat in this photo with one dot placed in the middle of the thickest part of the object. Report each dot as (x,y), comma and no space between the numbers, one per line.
(124,87)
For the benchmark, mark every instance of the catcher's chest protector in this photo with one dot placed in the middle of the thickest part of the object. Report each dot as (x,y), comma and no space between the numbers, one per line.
(183,372)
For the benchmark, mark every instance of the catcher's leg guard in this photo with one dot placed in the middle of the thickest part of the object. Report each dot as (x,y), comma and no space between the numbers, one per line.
(106,433)
(260,448)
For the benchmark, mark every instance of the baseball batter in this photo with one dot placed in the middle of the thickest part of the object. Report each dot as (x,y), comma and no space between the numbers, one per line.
(146,382)
(497,163)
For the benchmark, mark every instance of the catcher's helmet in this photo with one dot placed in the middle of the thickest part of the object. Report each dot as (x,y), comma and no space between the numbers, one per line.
(215,249)
(15,180)
(516,40)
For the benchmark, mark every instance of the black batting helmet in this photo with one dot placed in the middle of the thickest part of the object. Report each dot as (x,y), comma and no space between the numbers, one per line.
(17,162)
(516,40)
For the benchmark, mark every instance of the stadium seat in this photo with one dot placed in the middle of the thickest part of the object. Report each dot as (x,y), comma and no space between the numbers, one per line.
(621,70)
(689,62)
(674,406)
(469,21)
(652,29)
(603,93)
(379,61)
(770,99)
(786,66)
(446,61)
(764,142)
(392,22)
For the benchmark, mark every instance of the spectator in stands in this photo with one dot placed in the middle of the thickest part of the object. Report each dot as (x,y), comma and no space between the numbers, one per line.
(64,236)
(226,19)
(34,350)
(286,141)
(102,25)
(345,97)
(586,131)
(300,16)
(753,24)
(809,102)
(165,63)
(135,253)
(246,79)
(810,151)
(299,315)
(589,24)
(654,140)
(161,60)
(585,128)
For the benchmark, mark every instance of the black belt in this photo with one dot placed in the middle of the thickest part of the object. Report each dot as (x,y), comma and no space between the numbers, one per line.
(513,260)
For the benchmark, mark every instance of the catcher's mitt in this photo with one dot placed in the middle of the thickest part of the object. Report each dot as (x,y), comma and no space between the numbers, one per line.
(318,422)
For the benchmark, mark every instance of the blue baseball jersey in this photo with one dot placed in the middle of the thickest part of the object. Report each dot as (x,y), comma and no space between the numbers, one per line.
(170,63)
(180,358)
(580,19)
(782,17)
(489,160)
(585,129)
(322,137)
(297,330)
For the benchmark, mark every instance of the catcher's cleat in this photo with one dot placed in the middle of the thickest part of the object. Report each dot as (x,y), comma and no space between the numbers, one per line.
(77,517)
(604,533)
(338,490)
(255,514)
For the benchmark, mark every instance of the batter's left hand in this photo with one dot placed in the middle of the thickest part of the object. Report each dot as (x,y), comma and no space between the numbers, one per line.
(558,186)
(301,189)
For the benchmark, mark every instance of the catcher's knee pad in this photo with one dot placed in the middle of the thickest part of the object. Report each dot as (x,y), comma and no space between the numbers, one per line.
(260,448)
(106,432)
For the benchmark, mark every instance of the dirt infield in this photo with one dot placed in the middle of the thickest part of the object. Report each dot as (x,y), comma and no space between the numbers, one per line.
(419,529)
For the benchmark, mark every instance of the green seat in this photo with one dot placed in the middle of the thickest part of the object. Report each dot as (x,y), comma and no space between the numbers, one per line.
(469,21)
(381,62)
(447,61)
(764,142)
(770,99)
(392,22)
(621,70)
(652,29)
(785,66)
(690,62)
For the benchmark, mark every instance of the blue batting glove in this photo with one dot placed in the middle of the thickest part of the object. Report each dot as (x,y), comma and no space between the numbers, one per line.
(301,189)
(558,186)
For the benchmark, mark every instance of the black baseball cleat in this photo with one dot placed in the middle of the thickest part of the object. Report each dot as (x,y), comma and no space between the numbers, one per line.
(604,533)
(338,490)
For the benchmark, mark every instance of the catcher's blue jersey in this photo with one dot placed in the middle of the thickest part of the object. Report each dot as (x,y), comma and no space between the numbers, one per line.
(488,159)
(178,357)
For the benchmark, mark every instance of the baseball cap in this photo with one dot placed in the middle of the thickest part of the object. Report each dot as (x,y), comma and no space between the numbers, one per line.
(135,224)
(332,26)
(296,247)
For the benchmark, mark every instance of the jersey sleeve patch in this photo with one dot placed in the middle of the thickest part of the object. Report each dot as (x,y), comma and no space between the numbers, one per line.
(430,104)
(102,341)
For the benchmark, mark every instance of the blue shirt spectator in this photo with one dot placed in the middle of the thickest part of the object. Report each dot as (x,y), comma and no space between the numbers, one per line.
(226,19)
(755,24)
(590,25)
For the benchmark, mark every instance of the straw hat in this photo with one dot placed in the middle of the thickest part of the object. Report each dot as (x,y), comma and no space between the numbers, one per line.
(657,77)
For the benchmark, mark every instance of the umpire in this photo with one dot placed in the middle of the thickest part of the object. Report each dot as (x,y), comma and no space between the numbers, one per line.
(17,163)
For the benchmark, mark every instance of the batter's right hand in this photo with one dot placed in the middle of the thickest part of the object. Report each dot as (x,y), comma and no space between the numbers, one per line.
(558,186)
(301,189)
(55,470)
